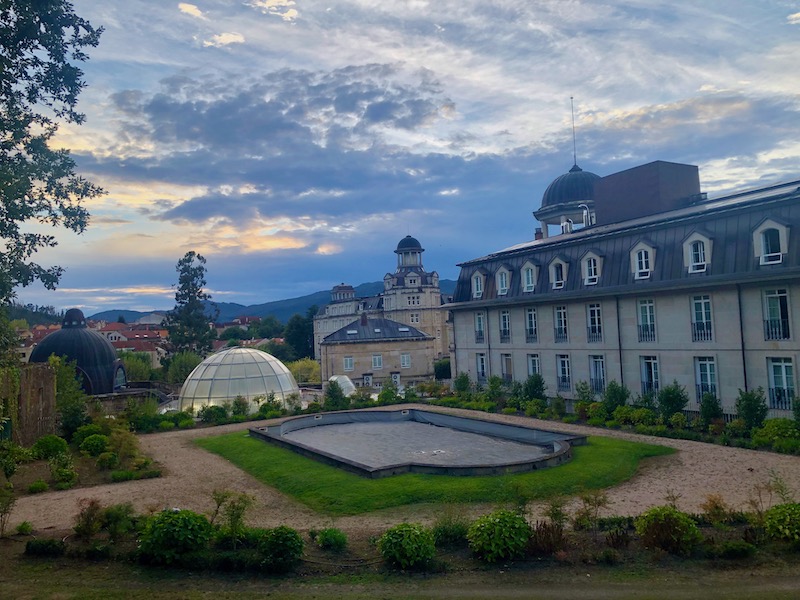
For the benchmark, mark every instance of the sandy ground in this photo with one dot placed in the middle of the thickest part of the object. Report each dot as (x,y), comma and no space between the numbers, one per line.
(190,475)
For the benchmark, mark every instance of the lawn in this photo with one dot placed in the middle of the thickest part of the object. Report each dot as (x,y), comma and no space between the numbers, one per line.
(602,463)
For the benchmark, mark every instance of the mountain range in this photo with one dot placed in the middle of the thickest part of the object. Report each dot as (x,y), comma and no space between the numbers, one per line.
(280,309)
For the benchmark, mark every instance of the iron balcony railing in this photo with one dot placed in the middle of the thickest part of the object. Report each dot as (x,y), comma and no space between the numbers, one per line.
(647,333)
(649,388)
(705,388)
(531,336)
(781,398)
(598,386)
(776,329)
(594,334)
(564,384)
(479,339)
(560,334)
(505,336)
(701,331)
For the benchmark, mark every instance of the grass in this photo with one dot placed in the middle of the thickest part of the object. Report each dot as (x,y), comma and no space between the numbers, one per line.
(602,463)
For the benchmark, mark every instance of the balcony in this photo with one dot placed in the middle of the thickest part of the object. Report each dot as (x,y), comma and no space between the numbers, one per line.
(649,388)
(598,386)
(781,398)
(647,333)
(705,388)
(564,384)
(479,337)
(505,336)
(776,329)
(531,336)
(701,331)
(594,334)
(560,334)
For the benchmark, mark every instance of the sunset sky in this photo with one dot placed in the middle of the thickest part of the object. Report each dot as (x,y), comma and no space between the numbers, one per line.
(294,143)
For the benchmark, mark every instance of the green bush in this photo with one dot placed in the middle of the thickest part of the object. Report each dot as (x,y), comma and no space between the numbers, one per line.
(281,549)
(597,410)
(774,430)
(509,410)
(94,445)
(166,425)
(643,416)
(84,432)
(787,446)
(752,408)
(736,549)
(559,406)
(450,530)
(332,539)
(503,534)
(117,520)
(186,423)
(736,428)
(615,396)
(678,421)
(669,529)
(24,528)
(45,547)
(710,409)
(38,486)
(624,415)
(782,522)
(672,399)
(171,533)
(48,446)
(407,545)
(107,460)
(213,414)
(62,469)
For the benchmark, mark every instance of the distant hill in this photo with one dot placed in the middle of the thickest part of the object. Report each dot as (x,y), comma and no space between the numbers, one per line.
(280,309)
(34,315)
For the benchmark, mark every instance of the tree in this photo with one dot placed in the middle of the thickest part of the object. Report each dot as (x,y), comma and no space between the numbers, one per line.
(269,327)
(751,406)
(299,333)
(305,370)
(283,352)
(334,398)
(188,324)
(235,333)
(121,319)
(40,44)
(70,397)
(181,365)
(672,399)
(137,365)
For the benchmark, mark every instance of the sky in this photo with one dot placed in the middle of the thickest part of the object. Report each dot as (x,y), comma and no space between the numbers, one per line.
(294,143)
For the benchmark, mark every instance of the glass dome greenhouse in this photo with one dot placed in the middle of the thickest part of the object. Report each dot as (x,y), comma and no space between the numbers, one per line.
(233,372)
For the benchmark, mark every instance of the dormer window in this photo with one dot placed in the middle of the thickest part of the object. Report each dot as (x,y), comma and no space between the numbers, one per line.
(697,262)
(591,266)
(502,282)
(697,252)
(642,260)
(477,285)
(771,242)
(558,273)
(529,275)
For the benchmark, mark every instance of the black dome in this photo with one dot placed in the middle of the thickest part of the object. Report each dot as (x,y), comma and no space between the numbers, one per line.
(93,354)
(575,186)
(408,243)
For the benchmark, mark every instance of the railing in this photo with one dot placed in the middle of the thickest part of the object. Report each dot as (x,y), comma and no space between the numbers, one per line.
(560,334)
(479,339)
(649,388)
(594,334)
(776,329)
(531,336)
(598,386)
(701,331)
(781,398)
(647,333)
(564,384)
(505,336)
(705,388)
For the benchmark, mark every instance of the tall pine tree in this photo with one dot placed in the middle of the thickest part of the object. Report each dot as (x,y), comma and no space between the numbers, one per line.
(189,323)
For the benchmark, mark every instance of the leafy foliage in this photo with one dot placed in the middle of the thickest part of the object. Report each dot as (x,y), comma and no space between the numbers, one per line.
(503,534)
(782,522)
(407,545)
(299,333)
(774,430)
(48,446)
(332,539)
(305,370)
(188,324)
(181,365)
(281,549)
(45,547)
(751,407)
(95,445)
(710,409)
(669,529)
(334,398)
(441,369)
(614,396)
(172,533)
(70,397)
(138,366)
(672,399)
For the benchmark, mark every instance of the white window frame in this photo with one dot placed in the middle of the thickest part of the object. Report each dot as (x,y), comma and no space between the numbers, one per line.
(477,286)
(414,300)
(770,255)
(405,360)
(503,277)
(534,365)
(592,271)
(643,264)
(558,267)
(705,374)
(529,275)
(594,318)
(348,364)
(480,365)
(414,317)
(697,256)
(377,362)
(531,323)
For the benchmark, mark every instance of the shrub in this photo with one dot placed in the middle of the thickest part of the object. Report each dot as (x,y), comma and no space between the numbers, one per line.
(736,549)
(84,432)
(87,521)
(782,522)
(240,406)
(24,528)
(107,460)
(752,408)
(171,533)
(186,423)
(669,529)
(716,510)
(774,430)
(614,396)
(332,539)
(672,399)
(596,422)
(503,534)
(45,548)
(509,410)
(117,520)
(407,545)
(678,421)
(787,446)
(546,538)
(736,428)
(94,445)
(450,530)
(334,398)
(624,415)
(281,549)
(166,425)
(62,469)
(559,406)
(710,408)
(48,446)
(38,486)
(597,410)
(643,416)
(618,538)
(213,414)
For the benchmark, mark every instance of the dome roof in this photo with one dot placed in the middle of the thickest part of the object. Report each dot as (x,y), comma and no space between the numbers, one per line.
(575,186)
(408,243)
(236,372)
(93,354)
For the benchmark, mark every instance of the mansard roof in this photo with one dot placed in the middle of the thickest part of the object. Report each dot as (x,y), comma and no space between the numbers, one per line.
(374,330)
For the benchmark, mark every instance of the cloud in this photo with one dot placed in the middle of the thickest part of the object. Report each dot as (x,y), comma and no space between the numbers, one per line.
(192,10)
(279,8)
(793,19)
(224,39)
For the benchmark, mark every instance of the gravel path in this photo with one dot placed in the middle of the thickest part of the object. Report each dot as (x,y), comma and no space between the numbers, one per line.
(191,474)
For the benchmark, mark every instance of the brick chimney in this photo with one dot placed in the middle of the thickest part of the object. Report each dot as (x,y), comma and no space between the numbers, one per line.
(537,234)
(363,319)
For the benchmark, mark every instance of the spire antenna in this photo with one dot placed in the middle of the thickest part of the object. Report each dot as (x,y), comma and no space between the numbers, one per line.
(574,146)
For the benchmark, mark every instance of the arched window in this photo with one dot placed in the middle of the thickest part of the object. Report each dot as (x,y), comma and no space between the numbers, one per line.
(771,246)
(697,257)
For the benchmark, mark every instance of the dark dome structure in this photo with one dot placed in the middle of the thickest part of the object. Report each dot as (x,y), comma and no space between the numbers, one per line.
(408,243)
(100,371)
(575,186)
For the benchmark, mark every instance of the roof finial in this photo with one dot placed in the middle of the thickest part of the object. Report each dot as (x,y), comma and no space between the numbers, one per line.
(574,147)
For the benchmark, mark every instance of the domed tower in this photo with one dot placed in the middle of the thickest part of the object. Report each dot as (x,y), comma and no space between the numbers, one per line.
(99,369)
(409,254)
(567,200)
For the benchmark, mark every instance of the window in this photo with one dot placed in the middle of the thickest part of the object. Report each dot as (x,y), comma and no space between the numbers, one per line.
(697,252)
(531,328)
(594,331)
(414,318)
(771,247)
(480,365)
(647,321)
(505,326)
(591,274)
(649,369)
(377,361)
(564,383)
(557,275)
(534,367)
(597,374)
(642,259)
(781,383)
(348,363)
(413,300)
(413,281)
(405,360)
(479,337)
(560,334)
(529,278)
(507,368)
(705,374)
(642,264)
(701,319)
(697,262)
(502,282)
(477,286)
(776,315)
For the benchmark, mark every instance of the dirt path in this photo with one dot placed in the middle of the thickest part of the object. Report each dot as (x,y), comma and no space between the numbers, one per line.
(190,474)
